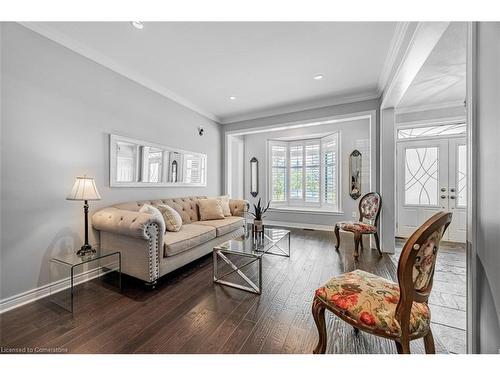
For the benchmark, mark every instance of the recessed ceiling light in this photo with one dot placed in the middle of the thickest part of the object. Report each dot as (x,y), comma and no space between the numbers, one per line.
(317,77)
(232,97)
(138,25)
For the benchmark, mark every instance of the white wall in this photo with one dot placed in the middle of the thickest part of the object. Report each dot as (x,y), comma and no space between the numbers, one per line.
(57,110)
(354,135)
(488,187)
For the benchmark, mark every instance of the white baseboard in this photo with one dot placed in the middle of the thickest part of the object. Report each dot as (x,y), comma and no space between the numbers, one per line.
(328,228)
(32,295)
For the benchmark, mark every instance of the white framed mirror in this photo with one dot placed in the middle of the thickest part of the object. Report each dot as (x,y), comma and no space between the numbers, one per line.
(254,177)
(137,163)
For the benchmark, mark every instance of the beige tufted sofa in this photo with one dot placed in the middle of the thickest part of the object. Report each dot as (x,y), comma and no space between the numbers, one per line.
(148,252)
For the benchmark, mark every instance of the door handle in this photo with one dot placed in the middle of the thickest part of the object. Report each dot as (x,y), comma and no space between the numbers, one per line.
(443,196)
(452,190)
(443,189)
(452,197)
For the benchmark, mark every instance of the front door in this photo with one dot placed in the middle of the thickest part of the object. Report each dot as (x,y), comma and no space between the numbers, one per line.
(431,177)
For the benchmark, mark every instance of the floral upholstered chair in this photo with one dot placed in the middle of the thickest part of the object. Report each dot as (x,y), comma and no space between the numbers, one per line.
(369,210)
(397,311)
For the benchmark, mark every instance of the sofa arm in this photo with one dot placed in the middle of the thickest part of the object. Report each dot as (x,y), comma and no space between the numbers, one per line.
(137,235)
(238,207)
(127,223)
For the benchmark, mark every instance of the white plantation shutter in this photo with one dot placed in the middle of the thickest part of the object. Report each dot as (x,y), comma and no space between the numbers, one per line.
(296,170)
(304,173)
(278,172)
(312,172)
(330,154)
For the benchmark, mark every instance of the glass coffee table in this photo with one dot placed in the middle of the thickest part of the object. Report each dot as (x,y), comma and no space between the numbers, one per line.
(246,250)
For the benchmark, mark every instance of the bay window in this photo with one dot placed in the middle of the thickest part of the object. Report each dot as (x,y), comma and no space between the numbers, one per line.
(304,173)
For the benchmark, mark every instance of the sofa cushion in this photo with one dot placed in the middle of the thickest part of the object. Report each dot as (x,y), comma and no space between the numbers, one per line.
(189,236)
(225,225)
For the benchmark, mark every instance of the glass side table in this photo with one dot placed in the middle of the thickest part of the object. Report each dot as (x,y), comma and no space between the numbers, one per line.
(68,270)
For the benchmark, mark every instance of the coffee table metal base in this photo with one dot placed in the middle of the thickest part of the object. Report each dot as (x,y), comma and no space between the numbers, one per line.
(250,285)
(276,245)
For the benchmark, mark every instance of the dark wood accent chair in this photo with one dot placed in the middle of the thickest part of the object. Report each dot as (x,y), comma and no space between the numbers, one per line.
(381,307)
(369,211)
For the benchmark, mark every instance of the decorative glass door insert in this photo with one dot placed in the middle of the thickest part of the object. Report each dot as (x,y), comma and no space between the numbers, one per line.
(421,176)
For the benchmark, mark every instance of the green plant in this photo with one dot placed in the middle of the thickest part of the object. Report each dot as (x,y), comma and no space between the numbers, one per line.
(259,210)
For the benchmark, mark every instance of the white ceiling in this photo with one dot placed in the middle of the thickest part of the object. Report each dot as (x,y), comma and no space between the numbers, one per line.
(442,77)
(269,67)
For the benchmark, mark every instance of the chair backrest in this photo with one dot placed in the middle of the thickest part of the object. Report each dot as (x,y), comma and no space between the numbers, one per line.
(417,263)
(369,208)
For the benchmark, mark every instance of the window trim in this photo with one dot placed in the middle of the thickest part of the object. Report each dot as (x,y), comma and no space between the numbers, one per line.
(301,205)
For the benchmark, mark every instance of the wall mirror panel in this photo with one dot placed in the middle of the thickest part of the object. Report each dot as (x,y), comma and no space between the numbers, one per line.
(355,174)
(136,163)
(254,177)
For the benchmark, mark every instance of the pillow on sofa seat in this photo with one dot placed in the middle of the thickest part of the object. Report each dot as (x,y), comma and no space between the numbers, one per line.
(210,209)
(189,236)
(148,209)
(173,221)
(224,202)
(224,226)
(181,211)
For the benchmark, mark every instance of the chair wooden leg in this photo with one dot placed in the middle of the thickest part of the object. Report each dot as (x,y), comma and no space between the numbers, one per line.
(362,247)
(377,242)
(403,347)
(318,311)
(357,238)
(337,234)
(429,343)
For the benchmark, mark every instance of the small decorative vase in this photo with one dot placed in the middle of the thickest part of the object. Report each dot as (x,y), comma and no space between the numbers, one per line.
(258,226)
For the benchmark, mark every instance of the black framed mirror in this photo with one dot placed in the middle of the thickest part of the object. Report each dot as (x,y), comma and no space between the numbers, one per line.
(254,177)
(355,174)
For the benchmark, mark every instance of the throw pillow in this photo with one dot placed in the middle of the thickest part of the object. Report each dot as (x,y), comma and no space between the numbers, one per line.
(148,209)
(210,209)
(224,201)
(184,215)
(173,221)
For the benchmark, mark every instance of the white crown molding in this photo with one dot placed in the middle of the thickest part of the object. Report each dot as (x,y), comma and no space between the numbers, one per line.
(392,54)
(99,58)
(429,107)
(303,106)
(43,291)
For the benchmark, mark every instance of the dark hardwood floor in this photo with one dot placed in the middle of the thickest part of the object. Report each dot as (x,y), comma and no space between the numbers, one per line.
(187,313)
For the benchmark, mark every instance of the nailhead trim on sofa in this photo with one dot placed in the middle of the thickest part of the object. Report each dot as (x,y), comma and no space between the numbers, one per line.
(152,231)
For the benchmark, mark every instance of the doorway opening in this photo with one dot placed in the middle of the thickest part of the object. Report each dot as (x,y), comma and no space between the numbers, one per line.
(431,157)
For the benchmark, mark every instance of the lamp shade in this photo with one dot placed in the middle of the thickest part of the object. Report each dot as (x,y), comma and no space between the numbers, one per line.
(84,189)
